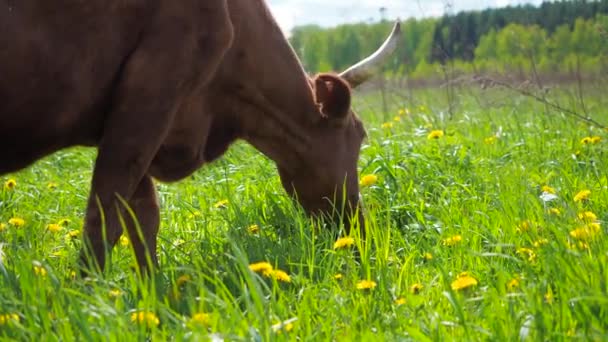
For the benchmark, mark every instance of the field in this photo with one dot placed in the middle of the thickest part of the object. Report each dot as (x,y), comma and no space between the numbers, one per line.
(488,224)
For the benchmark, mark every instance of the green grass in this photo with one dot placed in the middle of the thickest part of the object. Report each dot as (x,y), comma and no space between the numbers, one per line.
(463,183)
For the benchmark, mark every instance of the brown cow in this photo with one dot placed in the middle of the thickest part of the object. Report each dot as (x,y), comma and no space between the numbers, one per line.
(162,87)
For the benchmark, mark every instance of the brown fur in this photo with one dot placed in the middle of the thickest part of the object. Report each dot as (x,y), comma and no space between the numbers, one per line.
(162,87)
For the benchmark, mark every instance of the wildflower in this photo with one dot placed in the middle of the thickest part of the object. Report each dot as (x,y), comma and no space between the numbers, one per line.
(338,276)
(595,140)
(115,293)
(587,216)
(253,229)
(513,284)
(435,134)
(586,141)
(195,214)
(221,204)
(463,281)
(6,319)
(54,228)
(200,318)
(554,211)
(549,296)
(72,234)
(527,252)
(72,274)
(51,186)
(124,241)
(387,125)
(582,195)
(586,233)
(403,111)
(548,189)
(40,271)
(279,275)
(366,285)
(368,180)
(397,119)
(490,140)
(344,242)
(10,184)
(17,222)
(452,240)
(523,226)
(540,242)
(400,301)
(261,267)
(183,279)
(285,326)
(427,256)
(2,226)
(146,318)
(64,222)
(416,288)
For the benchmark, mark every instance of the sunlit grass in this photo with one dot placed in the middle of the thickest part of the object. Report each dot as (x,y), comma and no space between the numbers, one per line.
(492,229)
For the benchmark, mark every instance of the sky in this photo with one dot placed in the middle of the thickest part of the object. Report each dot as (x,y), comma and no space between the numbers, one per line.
(290,13)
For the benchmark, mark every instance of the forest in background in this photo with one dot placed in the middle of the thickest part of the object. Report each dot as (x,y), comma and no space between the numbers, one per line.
(555,38)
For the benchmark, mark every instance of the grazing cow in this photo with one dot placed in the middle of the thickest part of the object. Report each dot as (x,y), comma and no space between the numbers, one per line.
(162,87)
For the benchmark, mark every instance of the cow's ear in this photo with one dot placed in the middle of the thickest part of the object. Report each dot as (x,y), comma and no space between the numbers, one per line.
(332,94)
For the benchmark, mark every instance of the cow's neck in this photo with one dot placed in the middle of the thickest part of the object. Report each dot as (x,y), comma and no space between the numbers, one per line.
(276,107)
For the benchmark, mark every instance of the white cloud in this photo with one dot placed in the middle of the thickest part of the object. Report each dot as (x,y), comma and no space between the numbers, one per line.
(290,13)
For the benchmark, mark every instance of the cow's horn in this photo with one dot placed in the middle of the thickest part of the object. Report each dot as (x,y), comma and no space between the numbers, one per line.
(360,72)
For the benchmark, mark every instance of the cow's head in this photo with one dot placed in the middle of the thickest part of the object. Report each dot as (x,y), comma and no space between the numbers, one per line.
(327,182)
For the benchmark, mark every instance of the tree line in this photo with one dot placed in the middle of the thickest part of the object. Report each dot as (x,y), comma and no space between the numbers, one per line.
(555,36)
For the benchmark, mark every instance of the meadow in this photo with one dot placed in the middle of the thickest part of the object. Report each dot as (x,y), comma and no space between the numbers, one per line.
(484,224)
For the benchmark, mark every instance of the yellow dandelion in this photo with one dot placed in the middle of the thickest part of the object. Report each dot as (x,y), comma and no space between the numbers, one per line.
(586,141)
(253,229)
(124,241)
(463,281)
(540,242)
(221,204)
(587,216)
(403,111)
(368,180)
(400,301)
(427,256)
(344,242)
(2,226)
(17,222)
(54,228)
(416,288)
(523,226)
(586,233)
(10,184)
(548,189)
(549,296)
(452,240)
(582,195)
(195,214)
(397,119)
(366,285)
(527,253)
(286,326)
(554,211)
(435,134)
(64,222)
(72,275)
(6,319)
(201,318)
(40,271)
(387,125)
(261,267)
(513,284)
(51,186)
(115,293)
(146,318)
(490,140)
(596,139)
(183,279)
(72,234)
(279,275)
(338,276)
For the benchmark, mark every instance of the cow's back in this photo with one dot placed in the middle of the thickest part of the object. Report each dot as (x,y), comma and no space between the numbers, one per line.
(59,61)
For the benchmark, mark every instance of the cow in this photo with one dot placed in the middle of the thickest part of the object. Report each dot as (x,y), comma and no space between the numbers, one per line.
(162,87)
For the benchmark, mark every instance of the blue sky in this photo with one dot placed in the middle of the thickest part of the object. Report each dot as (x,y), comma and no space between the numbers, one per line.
(291,13)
